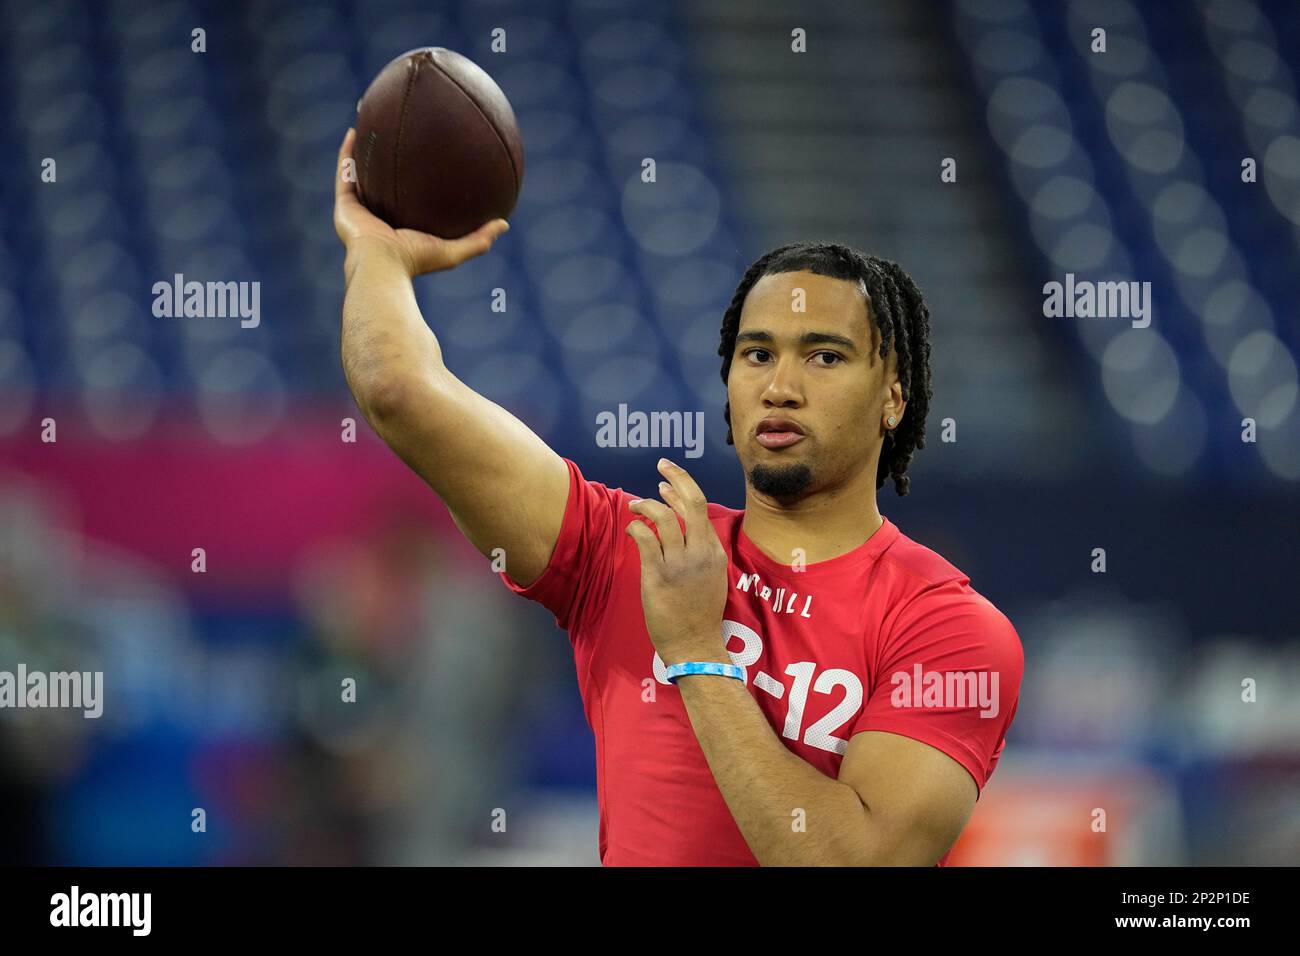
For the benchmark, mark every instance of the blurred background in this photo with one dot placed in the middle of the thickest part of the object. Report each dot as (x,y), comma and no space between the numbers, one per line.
(324,559)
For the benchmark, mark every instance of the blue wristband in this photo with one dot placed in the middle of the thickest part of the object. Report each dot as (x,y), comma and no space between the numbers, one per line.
(704,667)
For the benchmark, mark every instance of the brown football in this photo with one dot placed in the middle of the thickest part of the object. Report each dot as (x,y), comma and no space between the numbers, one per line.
(437,147)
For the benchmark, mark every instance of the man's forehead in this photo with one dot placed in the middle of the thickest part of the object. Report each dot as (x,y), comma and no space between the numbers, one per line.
(838,303)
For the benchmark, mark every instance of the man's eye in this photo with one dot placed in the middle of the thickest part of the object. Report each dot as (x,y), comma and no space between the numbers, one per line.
(749,352)
(838,359)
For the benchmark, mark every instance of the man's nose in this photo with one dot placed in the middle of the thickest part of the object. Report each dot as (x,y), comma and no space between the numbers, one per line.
(783,386)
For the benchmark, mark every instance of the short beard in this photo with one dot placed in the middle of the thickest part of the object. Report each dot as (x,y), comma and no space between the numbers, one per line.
(780,481)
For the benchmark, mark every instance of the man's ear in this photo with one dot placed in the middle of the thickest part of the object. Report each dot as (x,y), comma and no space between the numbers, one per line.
(893,404)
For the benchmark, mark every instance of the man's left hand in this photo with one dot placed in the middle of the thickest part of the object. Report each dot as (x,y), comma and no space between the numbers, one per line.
(683,572)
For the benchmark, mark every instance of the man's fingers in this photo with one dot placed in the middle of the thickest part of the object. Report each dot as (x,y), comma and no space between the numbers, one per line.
(646,543)
(447,253)
(342,186)
(690,502)
(480,240)
(665,519)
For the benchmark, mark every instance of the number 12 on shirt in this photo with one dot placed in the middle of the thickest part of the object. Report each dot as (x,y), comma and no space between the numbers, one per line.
(820,734)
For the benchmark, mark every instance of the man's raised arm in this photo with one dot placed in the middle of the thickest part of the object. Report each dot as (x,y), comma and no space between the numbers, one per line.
(505,488)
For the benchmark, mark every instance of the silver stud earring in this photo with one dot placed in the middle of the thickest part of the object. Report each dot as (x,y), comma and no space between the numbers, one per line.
(891,421)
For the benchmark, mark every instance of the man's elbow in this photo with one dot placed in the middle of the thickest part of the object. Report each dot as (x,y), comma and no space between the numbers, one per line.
(383,402)
(881,847)
(396,397)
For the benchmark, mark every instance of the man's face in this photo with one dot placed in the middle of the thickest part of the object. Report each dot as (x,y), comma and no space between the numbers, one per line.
(820,369)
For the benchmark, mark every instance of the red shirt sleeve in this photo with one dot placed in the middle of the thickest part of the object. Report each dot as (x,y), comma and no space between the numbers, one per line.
(576,583)
(949,676)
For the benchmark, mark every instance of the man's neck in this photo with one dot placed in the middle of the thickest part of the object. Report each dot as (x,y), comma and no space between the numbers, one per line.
(824,525)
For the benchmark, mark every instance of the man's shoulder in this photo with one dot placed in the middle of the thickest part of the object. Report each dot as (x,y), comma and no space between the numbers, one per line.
(935,589)
(924,567)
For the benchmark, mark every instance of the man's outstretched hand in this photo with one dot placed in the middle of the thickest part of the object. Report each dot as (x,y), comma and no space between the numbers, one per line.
(364,233)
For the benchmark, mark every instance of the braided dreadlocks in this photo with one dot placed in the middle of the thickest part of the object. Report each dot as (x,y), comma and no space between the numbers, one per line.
(900,314)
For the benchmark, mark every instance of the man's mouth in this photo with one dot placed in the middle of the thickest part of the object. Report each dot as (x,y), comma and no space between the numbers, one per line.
(779,439)
(777,432)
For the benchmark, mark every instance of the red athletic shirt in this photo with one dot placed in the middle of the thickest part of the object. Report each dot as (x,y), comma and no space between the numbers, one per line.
(841,646)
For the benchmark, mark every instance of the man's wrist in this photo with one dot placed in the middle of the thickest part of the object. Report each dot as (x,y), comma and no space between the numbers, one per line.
(374,251)
(729,670)
(716,655)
